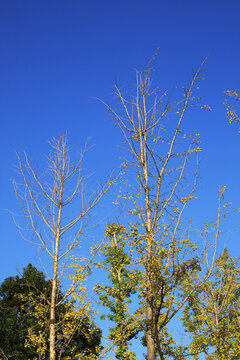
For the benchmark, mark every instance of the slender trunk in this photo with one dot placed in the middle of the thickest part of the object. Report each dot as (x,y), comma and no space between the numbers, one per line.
(149,304)
(52,326)
(53,309)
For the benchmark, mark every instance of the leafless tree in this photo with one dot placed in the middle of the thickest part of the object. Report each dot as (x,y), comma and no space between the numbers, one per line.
(44,200)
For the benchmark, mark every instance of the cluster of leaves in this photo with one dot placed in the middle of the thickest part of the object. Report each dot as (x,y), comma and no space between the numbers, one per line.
(232,114)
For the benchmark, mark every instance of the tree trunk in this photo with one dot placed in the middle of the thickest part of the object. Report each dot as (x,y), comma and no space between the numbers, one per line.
(148,267)
(52,326)
(149,303)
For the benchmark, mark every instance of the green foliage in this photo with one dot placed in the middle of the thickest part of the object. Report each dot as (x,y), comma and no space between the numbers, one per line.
(117,295)
(213,312)
(24,329)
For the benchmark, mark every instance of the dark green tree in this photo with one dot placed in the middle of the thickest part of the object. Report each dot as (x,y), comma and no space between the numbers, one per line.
(20,300)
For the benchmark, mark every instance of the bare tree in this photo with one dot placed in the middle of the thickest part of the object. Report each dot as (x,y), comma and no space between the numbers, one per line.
(44,200)
(162,180)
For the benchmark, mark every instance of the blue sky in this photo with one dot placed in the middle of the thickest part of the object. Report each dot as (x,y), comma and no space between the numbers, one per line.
(56,56)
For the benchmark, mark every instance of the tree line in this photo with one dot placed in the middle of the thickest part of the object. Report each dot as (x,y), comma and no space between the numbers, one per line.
(156,271)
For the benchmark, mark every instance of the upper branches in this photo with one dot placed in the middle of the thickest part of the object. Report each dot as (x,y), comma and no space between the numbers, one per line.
(43,198)
(160,158)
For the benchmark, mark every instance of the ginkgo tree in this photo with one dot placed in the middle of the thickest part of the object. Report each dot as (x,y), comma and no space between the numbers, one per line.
(45,200)
(159,179)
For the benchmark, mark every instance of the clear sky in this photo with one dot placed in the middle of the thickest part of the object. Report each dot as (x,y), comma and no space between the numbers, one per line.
(56,56)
